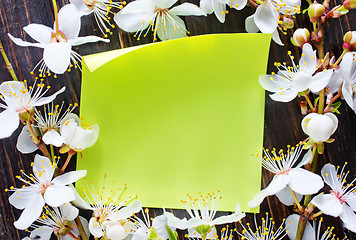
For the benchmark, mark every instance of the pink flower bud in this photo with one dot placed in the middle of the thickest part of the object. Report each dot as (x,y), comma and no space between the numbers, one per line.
(315,11)
(350,41)
(300,36)
(350,4)
(288,23)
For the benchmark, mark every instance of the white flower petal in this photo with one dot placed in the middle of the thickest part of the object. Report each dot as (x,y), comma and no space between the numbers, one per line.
(31,213)
(308,156)
(319,127)
(39,32)
(24,142)
(145,7)
(304,182)
(250,24)
(308,61)
(266,18)
(277,184)
(45,100)
(42,233)
(276,38)
(20,42)
(285,196)
(320,81)
(68,128)
(21,198)
(182,224)
(133,22)
(94,135)
(347,93)
(187,9)
(164,3)
(87,39)
(292,226)
(116,232)
(347,63)
(140,234)
(95,228)
(349,218)
(351,200)
(9,122)
(126,212)
(79,202)
(81,7)
(53,137)
(207,6)
(57,195)
(328,204)
(219,10)
(69,177)
(335,81)
(175,28)
(238,4)
(43,168)
(334,119)
(159,224)
(57,56)
(69,21)
(284,96)
(274,83)
(329,174)
(301,81)
(82,138)
(69,212)
(227,219)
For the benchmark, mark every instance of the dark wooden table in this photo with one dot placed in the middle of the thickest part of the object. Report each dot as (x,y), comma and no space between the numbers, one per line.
(282,121)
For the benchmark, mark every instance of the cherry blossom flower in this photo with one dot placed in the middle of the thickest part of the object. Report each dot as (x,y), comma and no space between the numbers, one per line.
(59,221)
(265,231)
(286,176)
(101,10)
(202,212)
(319,128)
(20,100)
(341,201)
(57,43)
(143,16)
(219,7)
(311,232)
(289,81)
(48,123)
(146,230)
(110,216)
(267,16)
(43,188)
(346,75)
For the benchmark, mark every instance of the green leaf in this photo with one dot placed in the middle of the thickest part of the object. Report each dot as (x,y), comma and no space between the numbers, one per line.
(152,234)
(172,235)
(316,101)
(308,144)
(305,10)
(336,105)
(330,140)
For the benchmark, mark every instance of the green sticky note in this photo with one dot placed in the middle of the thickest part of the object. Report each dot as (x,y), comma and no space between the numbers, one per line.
(178,117)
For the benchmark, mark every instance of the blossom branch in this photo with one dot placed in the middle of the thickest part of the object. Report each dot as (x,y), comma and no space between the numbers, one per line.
(295,199)
(70,154)
(309,102)
(7,62)
(81,228)
(55,8)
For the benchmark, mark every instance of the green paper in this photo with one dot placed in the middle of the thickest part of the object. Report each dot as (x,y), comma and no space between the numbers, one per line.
(178,117)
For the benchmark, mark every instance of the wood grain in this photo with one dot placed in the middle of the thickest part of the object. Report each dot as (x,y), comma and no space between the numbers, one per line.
(282,121)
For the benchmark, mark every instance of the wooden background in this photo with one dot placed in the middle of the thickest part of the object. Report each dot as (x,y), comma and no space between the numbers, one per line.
(282,121)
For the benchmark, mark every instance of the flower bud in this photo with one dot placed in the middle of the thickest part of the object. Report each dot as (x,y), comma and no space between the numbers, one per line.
(349,41)
(288,23)
(319,127)
(300,36)
(315,11)
(350,4)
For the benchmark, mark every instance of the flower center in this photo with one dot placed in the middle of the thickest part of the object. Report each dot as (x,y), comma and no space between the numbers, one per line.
(338,195)
(161,11)
(284,171)
(101,213)
(44,186)
(58,36)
